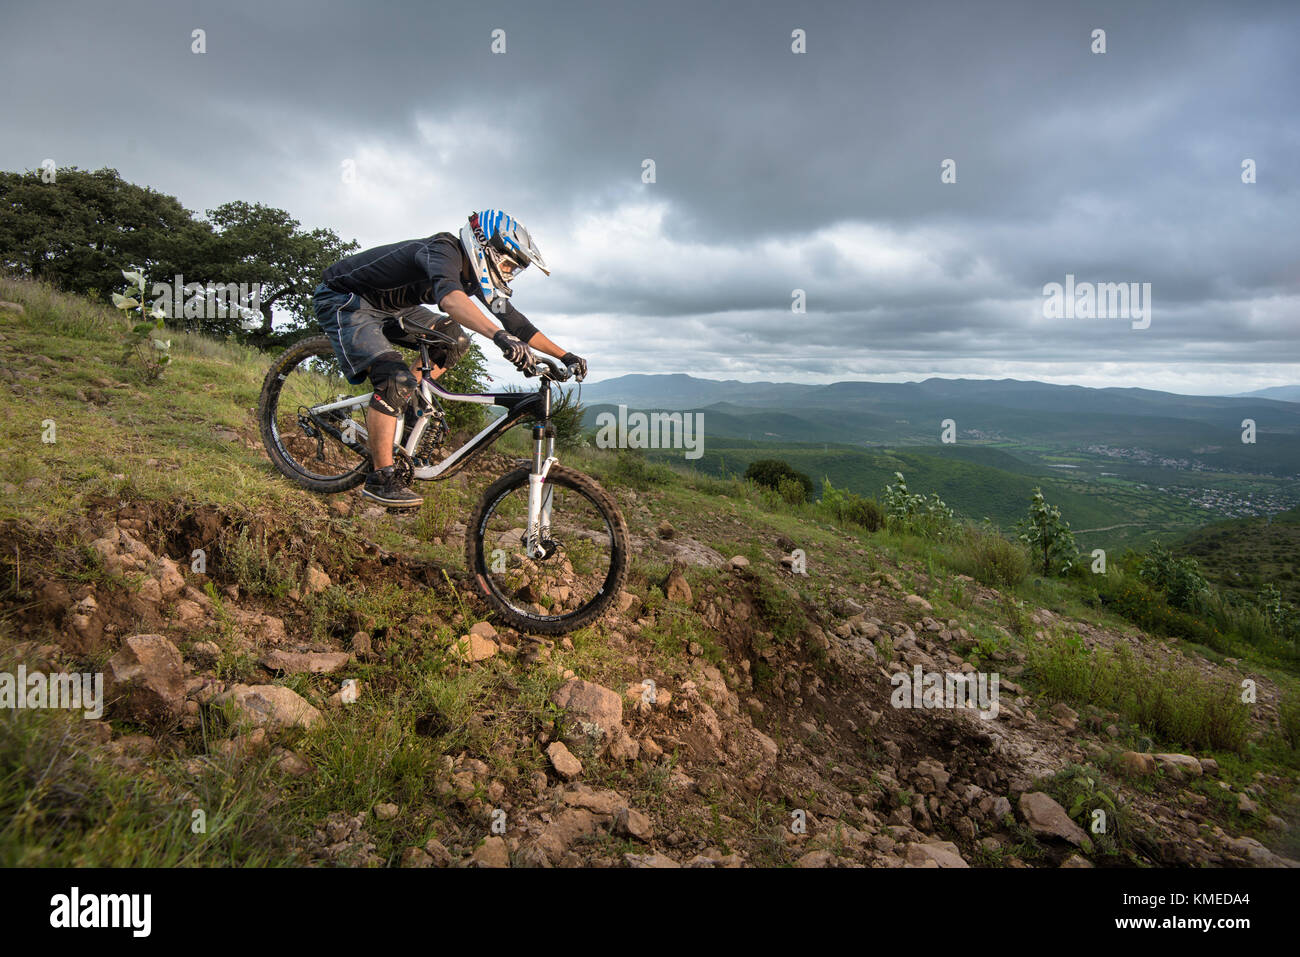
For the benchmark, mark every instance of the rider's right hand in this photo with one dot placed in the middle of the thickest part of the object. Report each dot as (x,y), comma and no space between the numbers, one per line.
(515,351)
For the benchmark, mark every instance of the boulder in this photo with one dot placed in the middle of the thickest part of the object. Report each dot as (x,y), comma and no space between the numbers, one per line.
(942,853)
(147,679)
(591,704)
(273,707)
(565,764)
(1046,818)
(1179,764)
(1137,763)
(305,662)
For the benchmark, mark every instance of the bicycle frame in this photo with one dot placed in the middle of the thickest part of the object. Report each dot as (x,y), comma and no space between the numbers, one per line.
(518,405)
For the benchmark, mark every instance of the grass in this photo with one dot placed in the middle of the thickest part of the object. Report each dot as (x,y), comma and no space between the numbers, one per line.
(1175,703)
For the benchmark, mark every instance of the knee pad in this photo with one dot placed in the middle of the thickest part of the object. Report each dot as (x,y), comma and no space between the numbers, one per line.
(394,385)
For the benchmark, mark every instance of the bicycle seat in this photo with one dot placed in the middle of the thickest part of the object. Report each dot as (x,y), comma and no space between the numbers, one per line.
(406,327)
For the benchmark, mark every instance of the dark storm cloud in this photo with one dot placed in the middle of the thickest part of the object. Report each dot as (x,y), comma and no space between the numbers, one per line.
(774,171)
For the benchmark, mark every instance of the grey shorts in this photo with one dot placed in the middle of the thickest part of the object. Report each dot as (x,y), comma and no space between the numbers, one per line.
(362,334)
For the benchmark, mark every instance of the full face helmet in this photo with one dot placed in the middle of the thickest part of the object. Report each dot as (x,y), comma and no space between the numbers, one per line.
(499,248)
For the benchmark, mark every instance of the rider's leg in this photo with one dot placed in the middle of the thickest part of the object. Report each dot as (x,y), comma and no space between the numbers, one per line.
(380,428)
(394,385)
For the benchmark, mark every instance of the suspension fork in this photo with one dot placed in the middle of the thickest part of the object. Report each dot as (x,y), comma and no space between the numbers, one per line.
(540,494)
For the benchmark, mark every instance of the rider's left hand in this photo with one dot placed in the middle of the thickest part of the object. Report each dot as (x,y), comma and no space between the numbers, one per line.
(576,364)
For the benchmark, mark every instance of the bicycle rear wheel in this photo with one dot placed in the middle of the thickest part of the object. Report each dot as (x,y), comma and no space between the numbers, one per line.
(311,448)
(586,564)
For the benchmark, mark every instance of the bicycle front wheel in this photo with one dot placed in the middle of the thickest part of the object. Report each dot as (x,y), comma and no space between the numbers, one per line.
(583,571)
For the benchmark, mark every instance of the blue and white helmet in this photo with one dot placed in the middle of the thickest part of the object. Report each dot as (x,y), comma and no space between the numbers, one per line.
(499,248)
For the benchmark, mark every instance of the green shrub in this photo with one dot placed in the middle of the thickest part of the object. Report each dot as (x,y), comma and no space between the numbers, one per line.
(989,558)
(770,473)
(1178,579)
(849,507)
(792,491)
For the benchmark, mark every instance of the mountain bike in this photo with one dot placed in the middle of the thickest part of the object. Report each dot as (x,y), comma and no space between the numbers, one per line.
(546,546)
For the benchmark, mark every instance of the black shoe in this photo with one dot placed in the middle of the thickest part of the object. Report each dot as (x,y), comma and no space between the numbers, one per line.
(383,486)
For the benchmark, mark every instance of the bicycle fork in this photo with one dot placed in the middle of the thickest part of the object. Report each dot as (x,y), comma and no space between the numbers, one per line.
(537,543)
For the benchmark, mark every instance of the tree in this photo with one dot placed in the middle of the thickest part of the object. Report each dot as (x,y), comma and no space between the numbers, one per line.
(80,230)
(1048,536)
(770,472)
(254,243)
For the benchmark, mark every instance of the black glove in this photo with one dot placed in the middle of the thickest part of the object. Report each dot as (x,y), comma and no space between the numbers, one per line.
(577,365)
(515,351)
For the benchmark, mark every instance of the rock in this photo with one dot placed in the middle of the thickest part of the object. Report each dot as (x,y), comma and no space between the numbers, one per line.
(1065,716)
(273,707)
(242,745)
(1046,818)
(1180,764)
(935,772)
(361,646)
(306,662)
(484,629)
(917,601)
(416,857)
(1076,861)
(1136,763)
(591,704)
(386,812)
(150,591)
(665,530)
(676,587)
(943,853)
(604,802)
(317,580)
(474,647)
(816,859)
(624,748)
(633,824)
(170,579)
(739,562)
(292,764)
(493,852)
(440,856)
(1246,806)
(1209,766)
(650,860)
(16,307)
(147,679)
(565,764)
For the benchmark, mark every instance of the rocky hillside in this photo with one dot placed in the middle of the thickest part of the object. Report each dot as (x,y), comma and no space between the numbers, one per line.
(295,679)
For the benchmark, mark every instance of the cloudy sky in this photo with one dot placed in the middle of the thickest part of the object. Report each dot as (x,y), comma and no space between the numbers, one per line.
(773,170)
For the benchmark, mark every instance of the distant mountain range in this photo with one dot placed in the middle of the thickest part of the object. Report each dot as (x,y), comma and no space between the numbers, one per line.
(1285,393)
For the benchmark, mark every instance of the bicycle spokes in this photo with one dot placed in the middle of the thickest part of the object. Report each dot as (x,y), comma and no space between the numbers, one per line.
(321,429)
(552,569)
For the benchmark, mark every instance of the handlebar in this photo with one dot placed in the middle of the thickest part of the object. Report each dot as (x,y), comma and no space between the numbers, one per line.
(556,373)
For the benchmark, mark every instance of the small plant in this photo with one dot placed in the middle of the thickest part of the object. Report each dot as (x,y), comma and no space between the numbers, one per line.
(153,354)
(851,508)
(914,514)
(1048,536)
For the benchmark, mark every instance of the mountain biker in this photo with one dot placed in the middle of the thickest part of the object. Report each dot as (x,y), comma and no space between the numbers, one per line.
(364,297)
